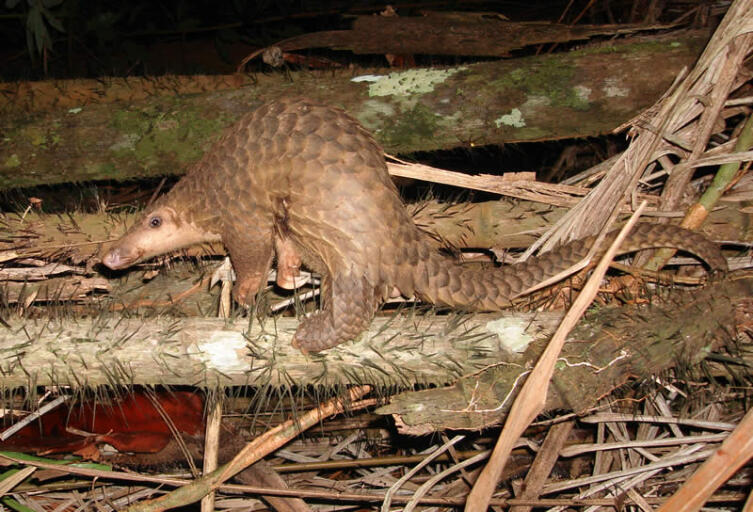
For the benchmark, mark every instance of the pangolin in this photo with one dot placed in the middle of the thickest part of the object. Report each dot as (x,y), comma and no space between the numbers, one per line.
(308,182)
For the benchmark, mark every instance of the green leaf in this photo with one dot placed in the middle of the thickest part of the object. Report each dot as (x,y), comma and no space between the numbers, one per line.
(14,505)
(35,26)
(34,458)
(53,21)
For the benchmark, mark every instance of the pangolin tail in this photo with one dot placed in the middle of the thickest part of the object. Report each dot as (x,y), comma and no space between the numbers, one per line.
(443,282)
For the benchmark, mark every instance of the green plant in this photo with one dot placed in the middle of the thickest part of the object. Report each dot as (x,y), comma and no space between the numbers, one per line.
(39,16)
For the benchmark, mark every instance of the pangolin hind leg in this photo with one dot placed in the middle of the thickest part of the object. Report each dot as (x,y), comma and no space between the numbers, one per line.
(288,263)
(348,306)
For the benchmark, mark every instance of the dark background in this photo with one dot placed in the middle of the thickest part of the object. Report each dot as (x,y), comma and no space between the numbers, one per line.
(42,39)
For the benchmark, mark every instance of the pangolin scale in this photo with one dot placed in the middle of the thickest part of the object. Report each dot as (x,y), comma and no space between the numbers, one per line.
(308,182)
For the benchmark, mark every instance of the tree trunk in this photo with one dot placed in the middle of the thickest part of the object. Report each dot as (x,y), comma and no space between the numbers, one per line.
(576,94)
(451,33)
(498,225)
(396,352)
(484,355)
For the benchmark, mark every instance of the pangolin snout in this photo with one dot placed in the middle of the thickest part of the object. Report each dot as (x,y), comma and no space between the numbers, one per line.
(117,258)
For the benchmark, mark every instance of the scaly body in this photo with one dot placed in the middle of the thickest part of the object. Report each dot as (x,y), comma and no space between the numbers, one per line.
(308,181)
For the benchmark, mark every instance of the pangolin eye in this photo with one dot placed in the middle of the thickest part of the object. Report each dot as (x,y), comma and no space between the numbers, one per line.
(155,221)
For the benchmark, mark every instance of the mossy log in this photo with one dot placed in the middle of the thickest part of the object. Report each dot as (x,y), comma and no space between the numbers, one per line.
(582,93)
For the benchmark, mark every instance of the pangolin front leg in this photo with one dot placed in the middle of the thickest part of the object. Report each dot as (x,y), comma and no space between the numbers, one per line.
(348,306)
(251,253)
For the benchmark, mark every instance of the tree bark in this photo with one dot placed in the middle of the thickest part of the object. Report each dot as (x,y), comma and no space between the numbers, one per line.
(483,355)
(609,347)
(396,352)
(576,94)
(450,33)
(80,237)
